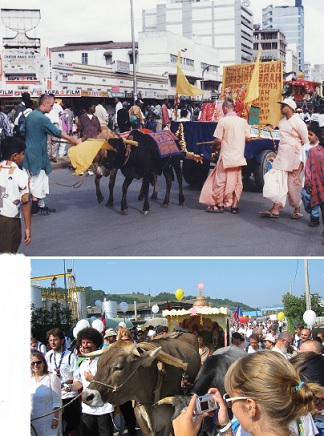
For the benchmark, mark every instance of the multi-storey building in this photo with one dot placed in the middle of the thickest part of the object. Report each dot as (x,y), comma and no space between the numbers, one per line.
(289,19)
(273,44)
(225,25)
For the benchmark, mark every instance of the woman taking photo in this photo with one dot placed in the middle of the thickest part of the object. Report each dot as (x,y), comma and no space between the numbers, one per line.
(265,394)
(45,396)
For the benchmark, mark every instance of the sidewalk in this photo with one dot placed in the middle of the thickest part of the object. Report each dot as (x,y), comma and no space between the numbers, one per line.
(62,162)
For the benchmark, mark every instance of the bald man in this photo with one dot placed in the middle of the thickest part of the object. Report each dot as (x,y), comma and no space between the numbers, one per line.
(305,335)
(314,346)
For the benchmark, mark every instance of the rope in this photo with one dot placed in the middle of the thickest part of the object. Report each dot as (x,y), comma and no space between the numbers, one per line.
(57,410)
(76,185)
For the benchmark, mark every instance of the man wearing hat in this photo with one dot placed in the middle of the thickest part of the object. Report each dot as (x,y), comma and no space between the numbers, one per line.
(269,341)
(284,178)
(109,337)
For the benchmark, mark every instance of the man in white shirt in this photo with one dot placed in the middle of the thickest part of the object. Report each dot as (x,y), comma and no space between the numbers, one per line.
(102,114)
(62,362)
(283,342)
(119,105)
(54,116)
(95,420)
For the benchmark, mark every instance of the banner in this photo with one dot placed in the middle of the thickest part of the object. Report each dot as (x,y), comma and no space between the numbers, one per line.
(236,79)
(183,87)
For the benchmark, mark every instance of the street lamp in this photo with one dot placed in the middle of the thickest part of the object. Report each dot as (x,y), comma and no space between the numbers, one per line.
(133,52)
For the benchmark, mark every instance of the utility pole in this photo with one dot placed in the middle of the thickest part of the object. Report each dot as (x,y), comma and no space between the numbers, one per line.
(307,293)
(133,52)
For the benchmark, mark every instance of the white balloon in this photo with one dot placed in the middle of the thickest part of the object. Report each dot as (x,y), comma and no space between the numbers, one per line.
(98,303)
(98,325)
(309,317)
(82,324)
(155,308)
(75,332)
(123,306)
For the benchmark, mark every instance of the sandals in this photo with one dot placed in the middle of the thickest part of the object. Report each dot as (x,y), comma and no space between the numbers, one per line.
(235,210)
(215,209)
(296,216)
(268,214)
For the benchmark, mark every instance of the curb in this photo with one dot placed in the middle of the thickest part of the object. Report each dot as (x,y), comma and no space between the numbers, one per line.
(62,162)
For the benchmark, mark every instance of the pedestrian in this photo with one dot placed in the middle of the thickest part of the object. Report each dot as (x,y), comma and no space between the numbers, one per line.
(266,396)
(36,161)
(14,187)
(282,180)
(102,114)
(223,187)
(21,106)
(6,128)
(314,174)
(19,128)
(62,362)
(118,107)
(45,397)
(55,116)
(96,421)
(136,112)
(166,121)
(123,118)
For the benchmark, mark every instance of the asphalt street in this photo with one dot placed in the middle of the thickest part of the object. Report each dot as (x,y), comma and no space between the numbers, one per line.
(83,227)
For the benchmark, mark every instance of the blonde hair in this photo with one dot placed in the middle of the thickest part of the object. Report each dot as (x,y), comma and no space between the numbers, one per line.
(272,382)
(125,333)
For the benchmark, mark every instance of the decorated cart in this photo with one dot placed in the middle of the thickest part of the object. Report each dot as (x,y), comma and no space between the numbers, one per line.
(201,319)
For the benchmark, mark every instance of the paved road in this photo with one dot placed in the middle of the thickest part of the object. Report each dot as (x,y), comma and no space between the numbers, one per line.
(82,227)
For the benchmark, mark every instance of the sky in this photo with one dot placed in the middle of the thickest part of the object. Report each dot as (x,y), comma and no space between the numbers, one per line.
(100,20)
(256,282)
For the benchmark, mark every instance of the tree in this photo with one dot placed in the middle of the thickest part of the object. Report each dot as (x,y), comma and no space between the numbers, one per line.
(294,308)
(43,320)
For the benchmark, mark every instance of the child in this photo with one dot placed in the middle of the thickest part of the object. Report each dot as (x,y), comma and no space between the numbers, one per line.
(314,174)
(14,192)
(313,141)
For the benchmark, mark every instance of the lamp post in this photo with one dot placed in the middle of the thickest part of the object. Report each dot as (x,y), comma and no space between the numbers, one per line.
(133,52)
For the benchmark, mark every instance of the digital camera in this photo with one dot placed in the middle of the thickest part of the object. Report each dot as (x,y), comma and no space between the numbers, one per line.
(205,403)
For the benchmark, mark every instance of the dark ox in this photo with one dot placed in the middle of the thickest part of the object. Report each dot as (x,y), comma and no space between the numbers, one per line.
(142,161)
(146,373)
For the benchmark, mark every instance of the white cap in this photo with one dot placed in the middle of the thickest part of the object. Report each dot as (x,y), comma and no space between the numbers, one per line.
(122,324)
(289,102)
(151,333)
(270,338)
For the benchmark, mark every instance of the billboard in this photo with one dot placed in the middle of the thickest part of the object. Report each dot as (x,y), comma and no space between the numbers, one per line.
(236,79)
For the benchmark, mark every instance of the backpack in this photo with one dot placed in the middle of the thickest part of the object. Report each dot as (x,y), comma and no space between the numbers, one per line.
(20,130)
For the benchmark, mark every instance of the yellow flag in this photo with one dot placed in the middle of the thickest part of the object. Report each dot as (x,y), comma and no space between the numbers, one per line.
(183,87)
(253,88)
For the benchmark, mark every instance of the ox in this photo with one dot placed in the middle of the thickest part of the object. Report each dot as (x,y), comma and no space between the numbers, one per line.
(142,161)
(145,372)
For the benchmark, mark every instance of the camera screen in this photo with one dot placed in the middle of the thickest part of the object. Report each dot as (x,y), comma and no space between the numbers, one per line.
(204,405)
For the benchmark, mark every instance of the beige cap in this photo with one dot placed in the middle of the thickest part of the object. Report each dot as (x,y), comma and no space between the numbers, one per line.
(270,338)
(110,332)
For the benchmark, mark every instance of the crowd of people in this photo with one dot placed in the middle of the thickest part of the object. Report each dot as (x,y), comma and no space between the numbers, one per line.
(279,379)
(297,173)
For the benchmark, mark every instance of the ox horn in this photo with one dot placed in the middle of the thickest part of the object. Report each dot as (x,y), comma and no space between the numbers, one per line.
(148,356)
(95,353)
(166,357)
(165,400)
(130,142)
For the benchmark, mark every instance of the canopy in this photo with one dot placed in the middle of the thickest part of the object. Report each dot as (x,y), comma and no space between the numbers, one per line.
(112,323)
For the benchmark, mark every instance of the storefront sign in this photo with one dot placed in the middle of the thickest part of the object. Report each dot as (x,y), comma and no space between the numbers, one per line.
(122,67)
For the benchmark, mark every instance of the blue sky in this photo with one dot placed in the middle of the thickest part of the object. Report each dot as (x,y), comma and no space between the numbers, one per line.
(256,282)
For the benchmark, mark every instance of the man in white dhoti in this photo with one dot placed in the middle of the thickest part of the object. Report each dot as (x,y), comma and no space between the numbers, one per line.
(283,179)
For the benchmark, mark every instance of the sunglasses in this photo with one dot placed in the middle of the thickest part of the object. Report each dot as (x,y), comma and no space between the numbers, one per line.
(229,400)
(37,362)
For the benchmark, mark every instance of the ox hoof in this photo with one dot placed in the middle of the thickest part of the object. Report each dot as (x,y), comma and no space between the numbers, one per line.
(109,204)
(182,203)
(154,196)
(124,212)
(140,197)
(100,199)
(145,212)
(164,205)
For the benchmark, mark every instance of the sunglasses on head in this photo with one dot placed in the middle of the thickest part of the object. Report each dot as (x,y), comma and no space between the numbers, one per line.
(37,362)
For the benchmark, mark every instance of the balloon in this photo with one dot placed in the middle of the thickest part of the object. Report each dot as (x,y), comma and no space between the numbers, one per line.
(98,303)
(98,325)
(309,317)
(123,306)
(244,319)
(82,324)
(75,333)
(281,316)
(155,308)
(179,293)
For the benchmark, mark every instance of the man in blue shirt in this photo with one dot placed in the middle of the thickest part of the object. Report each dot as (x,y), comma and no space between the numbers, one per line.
(36,160)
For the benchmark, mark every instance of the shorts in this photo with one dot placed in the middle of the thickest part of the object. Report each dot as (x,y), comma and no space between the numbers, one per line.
(10,234)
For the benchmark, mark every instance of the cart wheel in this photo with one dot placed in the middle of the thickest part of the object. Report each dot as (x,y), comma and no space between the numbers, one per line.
(266,157)
(194,173)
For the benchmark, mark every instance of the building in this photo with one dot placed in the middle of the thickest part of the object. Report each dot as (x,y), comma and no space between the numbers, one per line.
(289,19)
(225,25)
(273,44)
(318,73)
